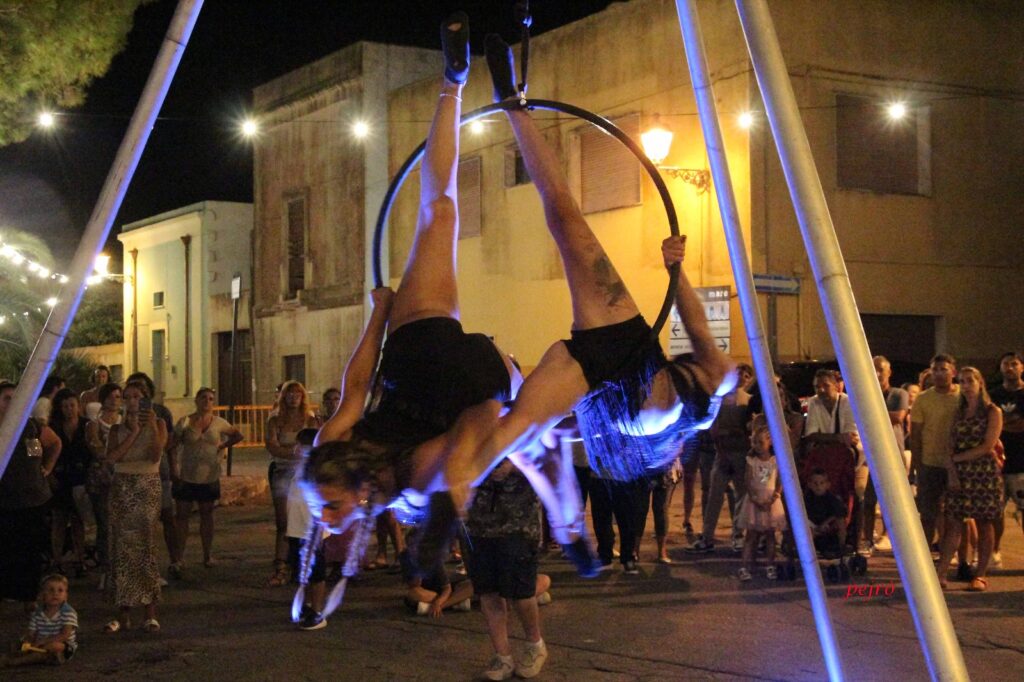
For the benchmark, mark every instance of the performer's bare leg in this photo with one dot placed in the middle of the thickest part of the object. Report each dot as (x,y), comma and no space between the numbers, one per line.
(428,287)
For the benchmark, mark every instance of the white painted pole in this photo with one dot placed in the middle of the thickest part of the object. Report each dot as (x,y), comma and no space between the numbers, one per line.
(98,229)
(931,617)
(696,59)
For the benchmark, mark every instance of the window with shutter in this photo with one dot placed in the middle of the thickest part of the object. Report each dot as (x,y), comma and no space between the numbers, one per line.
(469,197)
(515,169)
(295,215)
(609,173)
(878,154)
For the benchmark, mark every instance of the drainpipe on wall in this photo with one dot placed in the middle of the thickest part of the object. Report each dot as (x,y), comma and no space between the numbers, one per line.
(187,242)
(135,309)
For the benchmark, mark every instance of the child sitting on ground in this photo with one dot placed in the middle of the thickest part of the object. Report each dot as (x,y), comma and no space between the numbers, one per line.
(433,594)
(51,629)
(310,617)
(760,511)
(826,514)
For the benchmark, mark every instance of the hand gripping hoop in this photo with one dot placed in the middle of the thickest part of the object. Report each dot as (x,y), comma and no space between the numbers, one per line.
(546,105)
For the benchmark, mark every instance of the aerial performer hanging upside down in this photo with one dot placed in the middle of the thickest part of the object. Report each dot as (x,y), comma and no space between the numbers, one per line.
(437,420)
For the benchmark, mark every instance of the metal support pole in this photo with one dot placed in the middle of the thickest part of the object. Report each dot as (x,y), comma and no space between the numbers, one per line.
(931,617)
(233,370)
(696,58)
(98,228)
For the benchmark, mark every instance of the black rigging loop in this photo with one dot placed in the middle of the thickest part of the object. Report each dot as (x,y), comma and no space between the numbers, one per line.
(523,18)
(546,105)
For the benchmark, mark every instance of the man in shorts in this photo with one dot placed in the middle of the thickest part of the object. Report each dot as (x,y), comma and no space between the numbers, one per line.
(504,533)
(930,443)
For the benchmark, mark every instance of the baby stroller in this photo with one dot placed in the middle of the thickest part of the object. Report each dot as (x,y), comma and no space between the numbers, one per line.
(838,559)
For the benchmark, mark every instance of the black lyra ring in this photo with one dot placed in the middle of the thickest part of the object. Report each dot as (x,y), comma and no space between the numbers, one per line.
(547,105)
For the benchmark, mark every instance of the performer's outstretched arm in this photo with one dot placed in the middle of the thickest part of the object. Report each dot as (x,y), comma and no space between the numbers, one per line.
(716,369)
(358,376)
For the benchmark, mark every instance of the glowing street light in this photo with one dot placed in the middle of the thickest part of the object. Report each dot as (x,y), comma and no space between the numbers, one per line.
(360,129)
(476,127)
(746,120)
(897,111)
(250,127)
(45,120)
(101,265)
(52,301)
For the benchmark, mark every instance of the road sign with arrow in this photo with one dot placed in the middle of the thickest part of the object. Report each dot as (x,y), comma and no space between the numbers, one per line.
(716,310)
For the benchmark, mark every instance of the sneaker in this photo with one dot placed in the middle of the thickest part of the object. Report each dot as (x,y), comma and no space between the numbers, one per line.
(737,542)
(630,568)
(883,544)
(744,575)
(772,573)
(313,620)
(455,47)
(700,546)
(502,67)
(996,561)
(501,668)
(544,599)
(464,605)
(163,582)
(581,556)
(533,660)
(865,550)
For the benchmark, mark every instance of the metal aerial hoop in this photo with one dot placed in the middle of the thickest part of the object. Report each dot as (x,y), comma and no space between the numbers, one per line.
(547,105)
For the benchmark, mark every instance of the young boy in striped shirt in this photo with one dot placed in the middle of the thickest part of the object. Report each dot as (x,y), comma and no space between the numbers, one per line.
(51,629)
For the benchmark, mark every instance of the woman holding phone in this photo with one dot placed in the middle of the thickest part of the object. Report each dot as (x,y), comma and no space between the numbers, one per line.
(134,447)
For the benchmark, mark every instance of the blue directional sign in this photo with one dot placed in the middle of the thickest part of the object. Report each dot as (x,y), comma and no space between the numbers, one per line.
(776,284)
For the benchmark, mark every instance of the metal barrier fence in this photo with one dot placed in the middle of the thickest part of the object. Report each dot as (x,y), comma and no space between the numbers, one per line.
(251,420)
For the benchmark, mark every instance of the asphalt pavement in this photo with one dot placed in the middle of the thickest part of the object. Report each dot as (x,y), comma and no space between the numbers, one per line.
(688,620)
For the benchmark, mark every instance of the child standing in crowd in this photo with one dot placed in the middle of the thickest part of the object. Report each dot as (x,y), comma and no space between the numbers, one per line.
(761,512)
(298,528)
(826,512)
(51,629)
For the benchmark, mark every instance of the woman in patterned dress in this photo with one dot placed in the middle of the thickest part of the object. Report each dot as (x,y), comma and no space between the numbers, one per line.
(975,478)
(135,447)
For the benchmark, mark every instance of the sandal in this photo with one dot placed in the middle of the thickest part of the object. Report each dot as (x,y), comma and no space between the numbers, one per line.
(455,47)
(280,575)
(978,585)
(152,625)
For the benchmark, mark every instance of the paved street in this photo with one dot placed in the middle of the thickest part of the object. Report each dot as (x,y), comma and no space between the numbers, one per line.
(690,620)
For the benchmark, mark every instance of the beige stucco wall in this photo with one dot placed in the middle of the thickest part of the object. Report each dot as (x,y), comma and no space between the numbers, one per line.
(219,247)
(306,148)
(953,254)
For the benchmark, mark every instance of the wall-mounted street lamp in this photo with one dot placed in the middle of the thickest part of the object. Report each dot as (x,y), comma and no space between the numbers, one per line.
(657,141)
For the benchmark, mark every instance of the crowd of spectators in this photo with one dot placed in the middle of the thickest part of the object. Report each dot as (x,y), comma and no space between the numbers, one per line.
(96,473)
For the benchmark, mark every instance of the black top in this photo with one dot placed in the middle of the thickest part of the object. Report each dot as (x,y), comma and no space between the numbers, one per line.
(821,508)
(1011,402)
(23,485)
(75,457)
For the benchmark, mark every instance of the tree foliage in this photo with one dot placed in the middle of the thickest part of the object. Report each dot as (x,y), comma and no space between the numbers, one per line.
(99,319)
(51,50)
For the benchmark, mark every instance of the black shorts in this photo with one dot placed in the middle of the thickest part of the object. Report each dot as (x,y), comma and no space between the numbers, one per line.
(614,351)
(183,491)
(430,372)
(505,565)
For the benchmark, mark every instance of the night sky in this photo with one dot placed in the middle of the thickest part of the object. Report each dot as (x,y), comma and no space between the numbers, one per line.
(49,184)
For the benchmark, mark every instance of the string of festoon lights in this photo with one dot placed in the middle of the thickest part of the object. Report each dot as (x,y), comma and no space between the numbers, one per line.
(42,272)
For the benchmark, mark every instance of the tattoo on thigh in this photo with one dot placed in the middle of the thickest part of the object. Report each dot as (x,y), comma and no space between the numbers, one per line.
(609,282)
